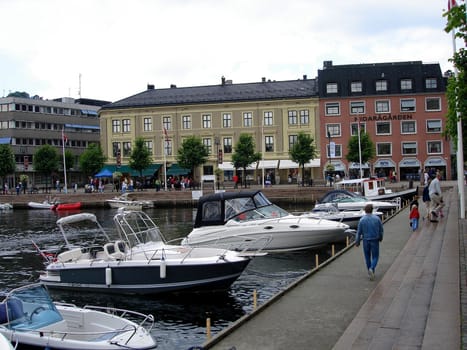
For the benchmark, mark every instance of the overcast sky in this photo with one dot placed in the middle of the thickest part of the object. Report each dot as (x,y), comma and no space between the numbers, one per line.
(118,47)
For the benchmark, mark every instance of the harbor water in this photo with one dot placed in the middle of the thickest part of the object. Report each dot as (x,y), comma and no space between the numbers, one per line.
(180,318)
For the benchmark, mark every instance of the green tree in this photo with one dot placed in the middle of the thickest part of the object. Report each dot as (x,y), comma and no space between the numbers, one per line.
(7,161)
(457,86)
(69,159)
(303,151)
(244,154)
(92,160)
(367,148)
(22,94)
(192,153)
(140,157)
(46,161)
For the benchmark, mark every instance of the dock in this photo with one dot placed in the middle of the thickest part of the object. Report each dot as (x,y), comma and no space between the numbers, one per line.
(417,300)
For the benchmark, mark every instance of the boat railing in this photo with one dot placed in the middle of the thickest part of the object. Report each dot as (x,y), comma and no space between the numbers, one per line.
(143,320)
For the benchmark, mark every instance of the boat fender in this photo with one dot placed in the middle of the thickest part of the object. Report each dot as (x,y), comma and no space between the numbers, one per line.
(163,268)
(108,276)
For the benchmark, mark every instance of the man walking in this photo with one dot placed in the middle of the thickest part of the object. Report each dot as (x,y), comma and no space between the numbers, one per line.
(370,230)
(436,197)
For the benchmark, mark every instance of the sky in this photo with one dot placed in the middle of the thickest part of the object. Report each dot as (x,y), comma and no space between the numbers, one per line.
(112,49)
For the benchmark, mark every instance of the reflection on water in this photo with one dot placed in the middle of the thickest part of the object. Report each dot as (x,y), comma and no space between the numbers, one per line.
(180,318)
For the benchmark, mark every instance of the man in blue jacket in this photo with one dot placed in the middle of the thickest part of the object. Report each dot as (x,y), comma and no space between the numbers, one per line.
(370,230)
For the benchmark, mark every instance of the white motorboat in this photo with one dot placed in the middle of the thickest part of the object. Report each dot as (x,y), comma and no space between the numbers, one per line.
(46,204)
(346,200)
(247,219)
(29,318)
(349,217)
(125,202)
(139,261)
(6,206)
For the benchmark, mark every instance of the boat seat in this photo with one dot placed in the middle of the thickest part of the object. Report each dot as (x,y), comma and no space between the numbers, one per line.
(111,253)
(70,255)
(121,247)
(11,310)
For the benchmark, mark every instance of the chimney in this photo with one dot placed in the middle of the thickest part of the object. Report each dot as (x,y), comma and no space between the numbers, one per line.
(263,79)
(304,76)
(327,64)
(150,86)
(173,86)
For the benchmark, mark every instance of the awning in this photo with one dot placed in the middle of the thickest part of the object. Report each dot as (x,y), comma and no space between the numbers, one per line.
(267,164)
(357,166)
(5,140)
(384,163)
(435,161)
(289,164)
(229,166)
(409,163)
(176,170)
(80,126)
(125,169)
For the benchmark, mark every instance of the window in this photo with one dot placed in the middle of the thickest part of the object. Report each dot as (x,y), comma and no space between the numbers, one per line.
(293,119)
(433,126)
(126,149)
(332,108)
(356,86)
(269,143)
(431,83)
(337,151)
(167,122)
(354,128)
(433,104)
(357,107)
(381,85)
(268,119)
(409,148)
(226,120)
(304,117)
(115,126)
(406,84)
(382,106)
(168,147)
(331,88)
(227,145)
(186,122)
(115,148)
(333,130)
(207,142)
(383,128)
(126,125)
(206,121)
(247,119)
(408,105)
(292,140)
(149,145)
(147,124)
(384,149)
(434,147)
(408,127)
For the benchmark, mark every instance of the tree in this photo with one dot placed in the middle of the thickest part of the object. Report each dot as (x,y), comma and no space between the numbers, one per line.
(303,151)
(367,149)
(7,161)
(140,157)
(244,154)
(21,94)
(46,161)
(457,86)
(92,160)
(192,153)
(69,159)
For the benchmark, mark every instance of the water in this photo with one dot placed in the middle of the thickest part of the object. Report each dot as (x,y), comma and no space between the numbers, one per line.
(180,319)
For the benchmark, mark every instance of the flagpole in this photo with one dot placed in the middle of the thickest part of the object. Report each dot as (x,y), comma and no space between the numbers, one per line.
(64,160)
(165,157)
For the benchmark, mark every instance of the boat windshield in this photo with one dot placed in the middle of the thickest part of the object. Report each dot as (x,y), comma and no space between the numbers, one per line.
(135,227)
(28,307)
(268,212)
(236,206)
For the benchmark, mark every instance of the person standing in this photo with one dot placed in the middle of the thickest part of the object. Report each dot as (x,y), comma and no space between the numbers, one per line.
(414,217)
(370,231)
(426,199)
(436,197)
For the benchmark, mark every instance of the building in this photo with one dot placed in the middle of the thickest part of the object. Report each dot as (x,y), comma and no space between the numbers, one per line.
(401,105)
(28,123)
(273,112)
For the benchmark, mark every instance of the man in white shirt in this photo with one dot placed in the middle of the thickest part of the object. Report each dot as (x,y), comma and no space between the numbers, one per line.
(435,195)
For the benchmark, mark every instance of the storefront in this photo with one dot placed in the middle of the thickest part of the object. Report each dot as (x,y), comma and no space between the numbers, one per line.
(410,169)
(383,167)
(354,170)
(437,164)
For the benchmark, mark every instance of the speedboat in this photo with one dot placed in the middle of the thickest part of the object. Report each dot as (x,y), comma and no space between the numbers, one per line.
(124,202)
(349,217)
(347,200)
(30,319)
(45,204)
(66,206)
(248,220)
(138,261)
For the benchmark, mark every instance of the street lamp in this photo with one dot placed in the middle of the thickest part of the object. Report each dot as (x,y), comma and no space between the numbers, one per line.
(217,142)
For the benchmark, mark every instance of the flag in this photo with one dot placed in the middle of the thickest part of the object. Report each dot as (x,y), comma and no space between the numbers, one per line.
(451,4)
(64,138)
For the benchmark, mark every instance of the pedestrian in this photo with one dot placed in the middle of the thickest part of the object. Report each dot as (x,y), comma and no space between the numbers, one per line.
(414,217)
(426,199)
(370,231)
(436,197)
(235,180)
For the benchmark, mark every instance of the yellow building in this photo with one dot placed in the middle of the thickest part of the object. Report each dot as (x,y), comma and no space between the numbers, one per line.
(273,112)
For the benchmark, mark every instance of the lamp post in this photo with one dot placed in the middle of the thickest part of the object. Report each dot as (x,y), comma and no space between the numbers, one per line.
(359,150)
(217,142)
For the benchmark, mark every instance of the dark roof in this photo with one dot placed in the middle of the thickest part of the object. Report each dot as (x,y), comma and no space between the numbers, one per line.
(369,73)
(226,92)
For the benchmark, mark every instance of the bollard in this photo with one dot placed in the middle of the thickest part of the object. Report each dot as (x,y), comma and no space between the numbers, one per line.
(347,241)
(255,299)
(333,250)
(316,260)
(208,328)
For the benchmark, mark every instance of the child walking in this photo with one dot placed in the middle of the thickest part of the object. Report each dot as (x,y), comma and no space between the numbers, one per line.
(414,217)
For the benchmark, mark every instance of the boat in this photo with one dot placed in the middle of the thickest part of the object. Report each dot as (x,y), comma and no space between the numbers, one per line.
(66,206)
(374,189)
(235,219)
(347,200)
(349,217)
(45,204)
(124,201)
(30,318)
(138,261)
(6,206)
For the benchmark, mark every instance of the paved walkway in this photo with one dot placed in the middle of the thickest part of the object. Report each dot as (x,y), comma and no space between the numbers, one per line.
(415,302)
